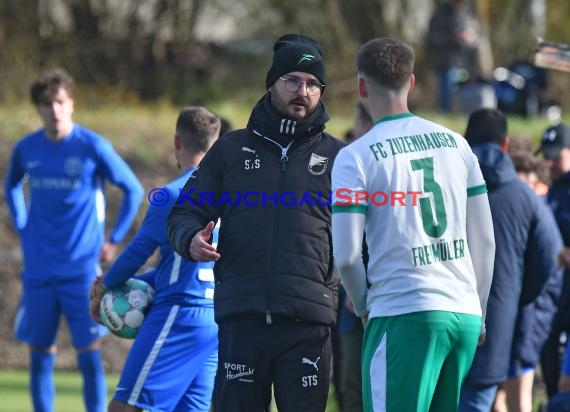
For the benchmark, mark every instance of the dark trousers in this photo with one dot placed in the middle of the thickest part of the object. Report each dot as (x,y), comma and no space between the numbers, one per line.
(294,357)
(553,351)
(351,369)
(551,362)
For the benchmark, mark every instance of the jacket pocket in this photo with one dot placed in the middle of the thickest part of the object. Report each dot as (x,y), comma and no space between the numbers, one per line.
(331,270)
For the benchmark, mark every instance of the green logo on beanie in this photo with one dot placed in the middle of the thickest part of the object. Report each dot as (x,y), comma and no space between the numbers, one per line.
(306,57)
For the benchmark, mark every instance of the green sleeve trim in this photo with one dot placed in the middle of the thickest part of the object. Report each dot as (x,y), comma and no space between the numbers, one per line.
(350,209)
(476,190)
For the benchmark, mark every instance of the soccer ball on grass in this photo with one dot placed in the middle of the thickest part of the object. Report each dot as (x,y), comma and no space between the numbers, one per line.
(123,308)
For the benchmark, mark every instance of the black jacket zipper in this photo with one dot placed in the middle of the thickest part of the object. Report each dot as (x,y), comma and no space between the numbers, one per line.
(283,160)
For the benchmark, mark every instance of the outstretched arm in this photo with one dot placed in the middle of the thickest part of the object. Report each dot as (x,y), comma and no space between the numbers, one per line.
(347,234)
(191,219)
(481,241)
(201,250)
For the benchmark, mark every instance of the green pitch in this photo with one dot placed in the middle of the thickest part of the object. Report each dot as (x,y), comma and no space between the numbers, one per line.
(15,397)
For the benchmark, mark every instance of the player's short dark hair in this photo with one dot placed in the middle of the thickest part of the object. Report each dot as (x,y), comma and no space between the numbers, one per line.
(46,86)
(486,126)
(198,127)
(386,61)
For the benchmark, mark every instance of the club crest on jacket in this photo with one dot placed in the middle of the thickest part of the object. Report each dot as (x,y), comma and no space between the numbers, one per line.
(318,164)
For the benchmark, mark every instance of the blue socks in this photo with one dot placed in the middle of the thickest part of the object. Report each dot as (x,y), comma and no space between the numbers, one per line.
(94,386)
(42,386)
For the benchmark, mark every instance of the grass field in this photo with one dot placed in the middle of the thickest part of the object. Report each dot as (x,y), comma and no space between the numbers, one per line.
(15,397)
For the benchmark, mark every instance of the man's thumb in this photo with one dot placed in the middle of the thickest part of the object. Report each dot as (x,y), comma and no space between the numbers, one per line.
(207,232)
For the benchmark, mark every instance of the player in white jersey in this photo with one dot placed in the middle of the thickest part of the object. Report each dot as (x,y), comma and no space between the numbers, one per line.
(417,190)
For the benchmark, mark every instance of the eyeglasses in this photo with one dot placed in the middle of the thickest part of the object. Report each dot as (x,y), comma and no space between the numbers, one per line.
(293,84)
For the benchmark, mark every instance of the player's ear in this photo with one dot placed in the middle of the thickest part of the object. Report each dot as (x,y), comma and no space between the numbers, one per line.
(505,145)
(177,141)
(362,89)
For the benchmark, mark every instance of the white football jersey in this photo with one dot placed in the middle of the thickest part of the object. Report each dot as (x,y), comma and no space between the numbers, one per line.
(411,178)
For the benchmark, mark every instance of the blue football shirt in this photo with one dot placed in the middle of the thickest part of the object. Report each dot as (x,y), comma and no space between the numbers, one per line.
(176,280)
(61,218)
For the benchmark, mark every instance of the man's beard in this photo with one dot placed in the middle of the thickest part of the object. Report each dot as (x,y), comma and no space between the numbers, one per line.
(283,107)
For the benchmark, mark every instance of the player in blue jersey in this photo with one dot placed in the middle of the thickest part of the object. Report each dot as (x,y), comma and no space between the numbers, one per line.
(61,229)
(172,363)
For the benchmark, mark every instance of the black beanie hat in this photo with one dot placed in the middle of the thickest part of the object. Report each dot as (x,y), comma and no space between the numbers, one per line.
(296,53)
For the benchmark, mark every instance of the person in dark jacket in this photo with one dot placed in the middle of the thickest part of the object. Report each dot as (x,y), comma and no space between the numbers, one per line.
(516,393)
(561,401)
(555,148)
(276,285)
(453,43)
(526,277)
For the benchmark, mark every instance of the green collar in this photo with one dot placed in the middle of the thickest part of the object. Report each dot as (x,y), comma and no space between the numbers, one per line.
(394,117)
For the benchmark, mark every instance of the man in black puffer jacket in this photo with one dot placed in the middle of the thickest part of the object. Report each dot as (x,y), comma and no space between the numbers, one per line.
(276,285)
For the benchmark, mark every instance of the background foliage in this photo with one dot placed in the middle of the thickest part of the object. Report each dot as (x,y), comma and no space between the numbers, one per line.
(198,50)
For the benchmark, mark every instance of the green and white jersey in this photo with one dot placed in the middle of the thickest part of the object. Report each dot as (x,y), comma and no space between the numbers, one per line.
(411,178)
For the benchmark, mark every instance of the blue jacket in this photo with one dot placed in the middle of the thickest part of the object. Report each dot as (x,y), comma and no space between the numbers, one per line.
(527,245)
(559,201)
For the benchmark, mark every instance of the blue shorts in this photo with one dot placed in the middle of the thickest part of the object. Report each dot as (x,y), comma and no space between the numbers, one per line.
(172,363)
(43,303)
(518,368)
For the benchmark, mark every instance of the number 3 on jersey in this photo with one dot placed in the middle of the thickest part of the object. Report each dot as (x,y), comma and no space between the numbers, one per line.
(434,218)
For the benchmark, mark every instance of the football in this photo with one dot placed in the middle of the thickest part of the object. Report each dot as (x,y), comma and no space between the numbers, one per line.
(123,308)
